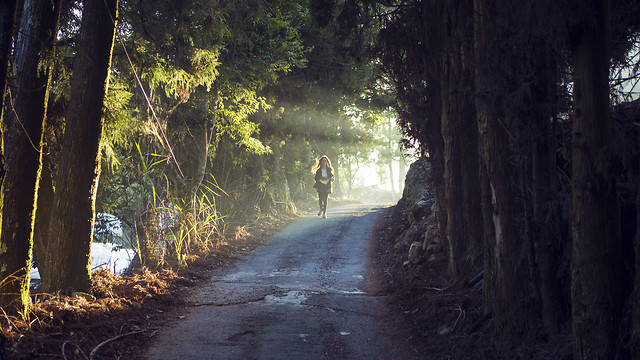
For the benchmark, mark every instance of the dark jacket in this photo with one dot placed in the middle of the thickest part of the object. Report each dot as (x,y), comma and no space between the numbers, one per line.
(320,187)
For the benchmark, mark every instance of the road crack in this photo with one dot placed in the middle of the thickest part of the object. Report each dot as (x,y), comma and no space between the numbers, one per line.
(248,300)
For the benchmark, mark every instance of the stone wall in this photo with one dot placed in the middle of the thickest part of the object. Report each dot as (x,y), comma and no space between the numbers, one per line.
(419,210)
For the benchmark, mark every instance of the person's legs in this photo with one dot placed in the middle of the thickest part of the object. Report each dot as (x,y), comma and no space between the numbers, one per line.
(323,203)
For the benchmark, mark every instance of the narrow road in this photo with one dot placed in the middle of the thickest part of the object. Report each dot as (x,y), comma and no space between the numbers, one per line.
(307,294)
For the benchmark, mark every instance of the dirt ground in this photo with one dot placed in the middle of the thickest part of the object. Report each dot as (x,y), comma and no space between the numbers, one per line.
(445,320)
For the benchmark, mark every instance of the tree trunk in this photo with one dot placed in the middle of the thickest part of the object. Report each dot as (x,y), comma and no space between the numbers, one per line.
(22,143)
(546,210)
(8,11)
(635,297)
(595,224)
(459,131)
(71,227)
(43,216)
(431,72)
(508,274)
(7,19)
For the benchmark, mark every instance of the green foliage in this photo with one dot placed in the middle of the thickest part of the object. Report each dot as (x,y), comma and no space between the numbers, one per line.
(265,87)
(119,123)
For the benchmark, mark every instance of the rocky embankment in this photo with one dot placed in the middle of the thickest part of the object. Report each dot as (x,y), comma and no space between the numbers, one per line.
(419,213)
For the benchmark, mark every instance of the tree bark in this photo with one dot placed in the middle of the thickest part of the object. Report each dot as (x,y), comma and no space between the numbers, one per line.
(71,226)
(507,276)
(595,223)
(432,73)
(43,216)
(546,209)
(459,131)
(7,19)
(22,144)
(8,11)
(635,297)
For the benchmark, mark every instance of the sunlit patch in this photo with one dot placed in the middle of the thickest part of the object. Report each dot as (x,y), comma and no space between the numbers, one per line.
(291,297)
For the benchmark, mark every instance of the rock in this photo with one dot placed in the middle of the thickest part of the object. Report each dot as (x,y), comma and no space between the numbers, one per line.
(415,184)
(434,248)
(432,231)
(418,211)
(416,253)
(412,234)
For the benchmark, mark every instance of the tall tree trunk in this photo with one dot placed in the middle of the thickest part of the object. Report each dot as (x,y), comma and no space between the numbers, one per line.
(595,224)
(546,227)
(22,143)
(8,11)
(459,131)
(431,71)
(71,227)
(43,216)
(7,19)
(635,297)
(508,271)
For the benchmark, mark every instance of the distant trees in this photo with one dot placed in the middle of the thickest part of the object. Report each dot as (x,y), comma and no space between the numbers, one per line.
(490,90)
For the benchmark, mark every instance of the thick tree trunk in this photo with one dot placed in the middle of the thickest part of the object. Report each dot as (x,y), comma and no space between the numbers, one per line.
(8,11)
(21,141)
(71,227)
(459,131)
(508,271)
(595,224)
(432,73)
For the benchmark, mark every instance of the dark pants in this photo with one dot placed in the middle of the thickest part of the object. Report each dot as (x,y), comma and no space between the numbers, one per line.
(322,199)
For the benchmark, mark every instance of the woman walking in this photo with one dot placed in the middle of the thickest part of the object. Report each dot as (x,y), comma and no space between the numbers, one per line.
(323,176)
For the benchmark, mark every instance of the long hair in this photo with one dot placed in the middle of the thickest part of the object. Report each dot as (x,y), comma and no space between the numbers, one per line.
(317,165)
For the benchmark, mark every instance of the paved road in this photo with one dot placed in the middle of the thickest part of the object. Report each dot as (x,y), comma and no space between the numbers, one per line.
(305,295)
